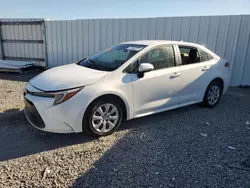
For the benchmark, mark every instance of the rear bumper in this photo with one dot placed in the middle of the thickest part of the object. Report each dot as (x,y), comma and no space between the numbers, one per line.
(225,89)
(227,83)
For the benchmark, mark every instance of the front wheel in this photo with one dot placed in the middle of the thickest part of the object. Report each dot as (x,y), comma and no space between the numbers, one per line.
(103,117)
(212,94)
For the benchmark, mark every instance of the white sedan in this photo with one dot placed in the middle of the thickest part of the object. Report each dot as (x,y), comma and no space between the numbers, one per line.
(126,81)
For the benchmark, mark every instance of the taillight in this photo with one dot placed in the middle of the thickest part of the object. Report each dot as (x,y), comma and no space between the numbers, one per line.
(227,64)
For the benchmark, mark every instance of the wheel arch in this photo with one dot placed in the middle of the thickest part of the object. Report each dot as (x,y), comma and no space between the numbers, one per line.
(112,96)
(218,79)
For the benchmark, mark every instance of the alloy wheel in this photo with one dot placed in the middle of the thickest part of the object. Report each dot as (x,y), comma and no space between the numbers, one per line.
(213,95)
(105,118)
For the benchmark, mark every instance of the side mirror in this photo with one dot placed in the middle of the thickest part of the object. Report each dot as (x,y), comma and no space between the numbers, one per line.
(144,67)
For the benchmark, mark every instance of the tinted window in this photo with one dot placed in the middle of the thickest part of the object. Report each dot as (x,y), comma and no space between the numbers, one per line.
(204,56)
(189,55)
(161,57)
(112,58)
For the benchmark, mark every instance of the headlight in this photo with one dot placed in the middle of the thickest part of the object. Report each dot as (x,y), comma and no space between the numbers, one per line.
(60,96)
(65,95)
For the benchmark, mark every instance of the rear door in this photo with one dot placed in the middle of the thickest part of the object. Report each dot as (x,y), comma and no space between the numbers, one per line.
(195,66)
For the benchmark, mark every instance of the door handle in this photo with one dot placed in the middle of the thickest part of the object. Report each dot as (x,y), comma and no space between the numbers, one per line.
(176,74)
(205,68)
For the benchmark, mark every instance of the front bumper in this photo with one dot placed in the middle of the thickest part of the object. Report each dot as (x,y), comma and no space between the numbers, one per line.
(65,117)
(42,121)
(33,115)
(45,116)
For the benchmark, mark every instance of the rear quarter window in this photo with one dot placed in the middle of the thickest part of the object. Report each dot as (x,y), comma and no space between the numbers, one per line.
(204,56)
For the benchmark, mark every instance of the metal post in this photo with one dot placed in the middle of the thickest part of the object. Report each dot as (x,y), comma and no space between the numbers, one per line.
(1,44)
(45,43)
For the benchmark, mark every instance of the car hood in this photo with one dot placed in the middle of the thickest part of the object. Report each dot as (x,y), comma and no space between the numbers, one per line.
(66,77)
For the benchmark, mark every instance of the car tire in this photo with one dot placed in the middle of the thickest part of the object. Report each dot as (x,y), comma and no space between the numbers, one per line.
(90,125)
(213,94)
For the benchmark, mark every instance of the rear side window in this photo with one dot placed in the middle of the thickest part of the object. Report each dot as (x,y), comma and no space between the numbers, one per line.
(189,55)
(160,57)
(204,56)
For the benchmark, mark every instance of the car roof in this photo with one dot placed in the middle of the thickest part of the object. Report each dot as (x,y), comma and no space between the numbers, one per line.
(158,42)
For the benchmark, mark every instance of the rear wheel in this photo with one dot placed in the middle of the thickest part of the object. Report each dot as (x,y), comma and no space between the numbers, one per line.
(103,117)
(212,94)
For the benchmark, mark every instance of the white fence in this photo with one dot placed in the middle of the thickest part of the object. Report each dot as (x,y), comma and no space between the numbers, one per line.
(22,39)
(69,41)
(228,36)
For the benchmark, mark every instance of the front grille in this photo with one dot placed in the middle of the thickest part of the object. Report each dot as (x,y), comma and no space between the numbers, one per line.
(38,94)
(33,115)
(26,91)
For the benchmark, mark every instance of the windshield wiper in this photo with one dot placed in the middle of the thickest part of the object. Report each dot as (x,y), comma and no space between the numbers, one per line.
(95,64)
(80,61)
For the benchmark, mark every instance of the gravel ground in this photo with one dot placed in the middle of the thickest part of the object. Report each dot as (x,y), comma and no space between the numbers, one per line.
(186,147)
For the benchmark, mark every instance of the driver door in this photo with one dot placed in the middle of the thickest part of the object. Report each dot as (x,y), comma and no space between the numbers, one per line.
(157,90)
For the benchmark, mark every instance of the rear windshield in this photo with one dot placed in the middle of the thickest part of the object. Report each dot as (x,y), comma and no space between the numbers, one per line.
(111,58)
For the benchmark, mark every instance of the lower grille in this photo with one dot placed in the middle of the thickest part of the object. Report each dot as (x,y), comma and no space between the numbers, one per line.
(33,115)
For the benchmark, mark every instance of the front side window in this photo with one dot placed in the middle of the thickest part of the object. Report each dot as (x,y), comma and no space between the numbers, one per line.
(204,56)
(160,57)
(189,55)
(112,58)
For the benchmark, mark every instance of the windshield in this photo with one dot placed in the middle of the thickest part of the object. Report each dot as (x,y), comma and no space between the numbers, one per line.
(111,58)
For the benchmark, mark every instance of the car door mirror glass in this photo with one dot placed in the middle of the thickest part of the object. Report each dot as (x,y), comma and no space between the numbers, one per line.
(145,67)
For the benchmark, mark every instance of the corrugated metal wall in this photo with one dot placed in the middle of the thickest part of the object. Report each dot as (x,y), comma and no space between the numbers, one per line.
(22,39)
(228,36)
